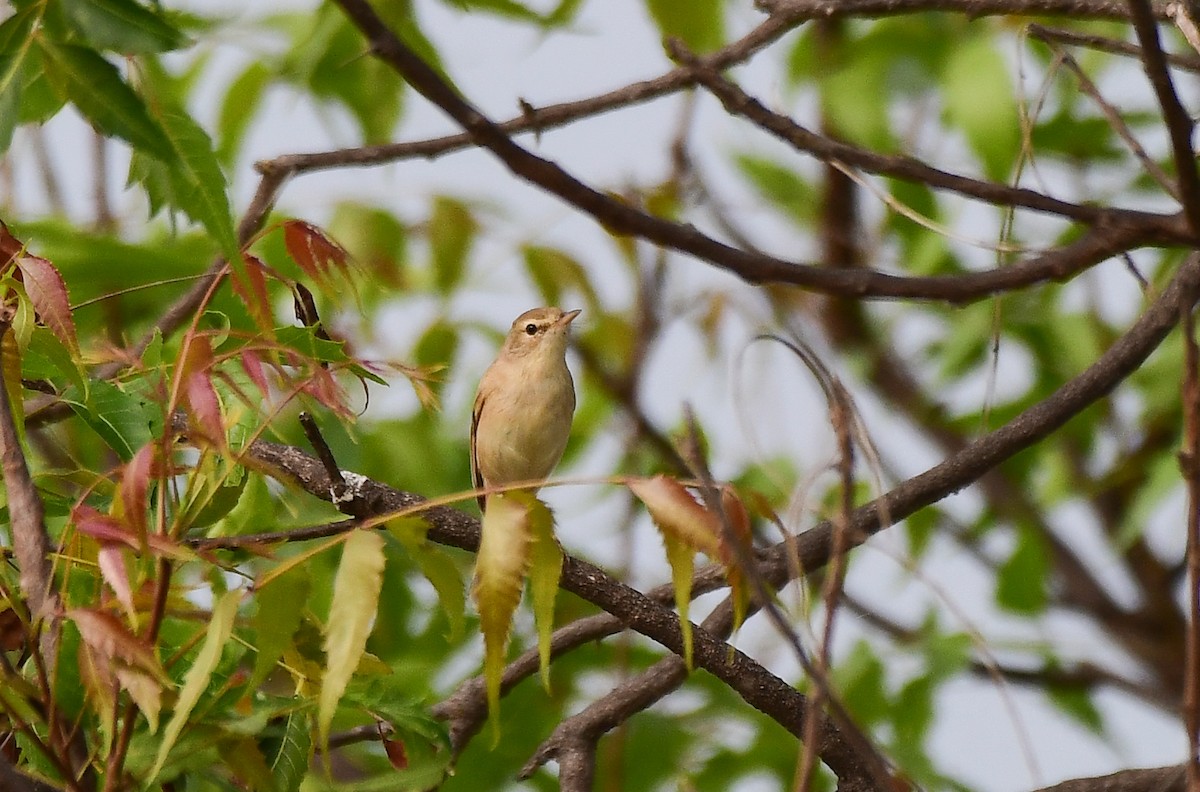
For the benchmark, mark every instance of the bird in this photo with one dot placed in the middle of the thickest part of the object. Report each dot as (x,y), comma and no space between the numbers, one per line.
(524,404)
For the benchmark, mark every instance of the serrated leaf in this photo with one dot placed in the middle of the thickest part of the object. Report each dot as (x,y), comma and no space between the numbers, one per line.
(290,763)
(117,651)
(190,179)
(545,569)
(356,588)
(48,292)
(314,251)
(195,681)
(122,26)
(280,610)
(499,574)
(110,558)
(79,75)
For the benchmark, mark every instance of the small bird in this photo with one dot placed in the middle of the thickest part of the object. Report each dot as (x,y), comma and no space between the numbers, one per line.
(524,404)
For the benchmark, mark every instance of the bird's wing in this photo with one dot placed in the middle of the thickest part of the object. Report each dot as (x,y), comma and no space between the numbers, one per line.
(476,476)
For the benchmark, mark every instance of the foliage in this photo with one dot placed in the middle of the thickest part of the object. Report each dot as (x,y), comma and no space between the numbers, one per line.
(247,498)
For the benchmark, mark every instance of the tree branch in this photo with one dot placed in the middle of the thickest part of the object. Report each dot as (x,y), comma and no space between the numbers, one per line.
(754,268)
(1179,123)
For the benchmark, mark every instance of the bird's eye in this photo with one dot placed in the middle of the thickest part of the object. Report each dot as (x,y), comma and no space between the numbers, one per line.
(531,329)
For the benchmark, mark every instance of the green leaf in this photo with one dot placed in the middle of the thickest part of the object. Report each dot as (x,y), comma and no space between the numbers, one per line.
(1077,703)
(16,38)
(1021,580)
(555,271)
(123,420)
(220,627)
(782,186)
(861,683)
(700,24)
(290,762)
(440,570)
(978,93)
(191,180)
(280,610)
(79,75)
(356,589)
(122,26)
(452,231)
(241,100)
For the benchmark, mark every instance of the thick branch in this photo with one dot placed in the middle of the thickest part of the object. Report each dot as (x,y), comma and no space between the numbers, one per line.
(1157,779)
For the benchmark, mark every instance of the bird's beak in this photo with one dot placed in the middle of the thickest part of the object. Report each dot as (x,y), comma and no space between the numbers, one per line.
(569,317)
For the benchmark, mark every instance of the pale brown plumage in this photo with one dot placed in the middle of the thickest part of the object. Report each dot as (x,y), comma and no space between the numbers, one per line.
(525,402)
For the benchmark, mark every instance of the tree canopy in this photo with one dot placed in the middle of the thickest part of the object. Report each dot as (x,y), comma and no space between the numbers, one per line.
(888,395)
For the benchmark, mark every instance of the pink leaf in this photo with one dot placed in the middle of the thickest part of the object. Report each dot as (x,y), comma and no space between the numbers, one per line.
(205,407)
(253,366)
(48,292)
(111,559)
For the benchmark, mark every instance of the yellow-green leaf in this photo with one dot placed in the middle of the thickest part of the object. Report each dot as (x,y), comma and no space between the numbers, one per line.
(545,569)
(683,562)
(356,590)
(499,573)
(196,680)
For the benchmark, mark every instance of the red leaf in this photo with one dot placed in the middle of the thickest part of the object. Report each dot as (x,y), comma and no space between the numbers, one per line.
(12,632)
(205,407)
(312,251)
(396,753)
(10,246)
(252,289)
(48,292)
